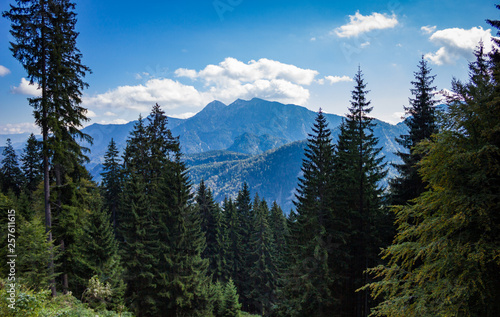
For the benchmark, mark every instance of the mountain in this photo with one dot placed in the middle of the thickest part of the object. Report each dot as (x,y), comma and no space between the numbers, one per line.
(272,174)
(256,141)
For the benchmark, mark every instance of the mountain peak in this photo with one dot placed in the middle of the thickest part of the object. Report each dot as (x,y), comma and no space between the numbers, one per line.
(214,105)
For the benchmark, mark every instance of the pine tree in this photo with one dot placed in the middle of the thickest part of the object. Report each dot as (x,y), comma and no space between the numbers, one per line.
(358,171)
(421,123)
(12,177)
(211,225)
(45,44)
(100,255)
(32,163)
(230,306)
(234,247)
(263,273)
(245,215)
(308,283)
(111,181)
(444,259)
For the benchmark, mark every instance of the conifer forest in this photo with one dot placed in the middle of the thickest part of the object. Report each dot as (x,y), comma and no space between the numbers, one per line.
(145,241)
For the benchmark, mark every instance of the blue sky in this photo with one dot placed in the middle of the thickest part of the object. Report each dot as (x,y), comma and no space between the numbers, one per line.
(184,54)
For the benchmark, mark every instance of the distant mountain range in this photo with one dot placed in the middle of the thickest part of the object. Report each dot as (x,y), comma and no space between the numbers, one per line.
(256,141)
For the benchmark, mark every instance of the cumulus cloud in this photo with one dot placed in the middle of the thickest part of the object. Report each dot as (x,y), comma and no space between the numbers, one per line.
(110,114)
(14,128)
(360,24)
(428,29)
(227,81)
(456,43)
(115,121)
(233,69)
(4,71)
(338,79)
(183,115)
(25,88)
(167,92)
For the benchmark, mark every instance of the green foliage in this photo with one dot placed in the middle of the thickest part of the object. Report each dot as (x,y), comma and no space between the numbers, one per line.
(32,163)
(421,123)
(308,281)
(111,181)
(12,177)
(231,306)
(444,260)
(34,252)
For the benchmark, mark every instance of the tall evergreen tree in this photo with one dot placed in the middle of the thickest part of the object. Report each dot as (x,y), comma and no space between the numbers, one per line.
(421,123)
(161,232)
(111,181)
(211,225)
(444,259)
(263,273)
(358,171)
(32,163)
(245,214)
(12,177)
(234,247)
(45,44)
(100,256)
(309,280)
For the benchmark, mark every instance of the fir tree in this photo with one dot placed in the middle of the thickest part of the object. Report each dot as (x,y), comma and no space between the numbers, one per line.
(32,163)
(45,44)
(443,260)
(230,306)
(111,181)
(421,123)
(263,273)
(307,289)
(358,171)
(234,248)
(245,214)
(211,225)
(12,177)
(100,256)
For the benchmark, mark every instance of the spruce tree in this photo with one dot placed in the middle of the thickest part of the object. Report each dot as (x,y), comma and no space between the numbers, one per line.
(244,211)
(111,181)
(308,283)
(100,256)
(263,272)
(421,123)
(358,197)
(444,259)
(32,163)
(212,227)
(12,177)
(137,232)
(45,44)
(234,247)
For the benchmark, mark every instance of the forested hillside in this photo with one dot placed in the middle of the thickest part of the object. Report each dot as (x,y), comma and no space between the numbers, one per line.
(380,220)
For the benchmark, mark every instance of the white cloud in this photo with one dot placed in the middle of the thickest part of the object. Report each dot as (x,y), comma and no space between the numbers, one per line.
(25,88)
(91,114)
(227,81)
(116,121)
(456,43)
(338,79)
(365,44)
(4,71)
(183,115)
(428,29)
(110,114)
(13,128)
(233,69)
(359,24)
(168,93)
